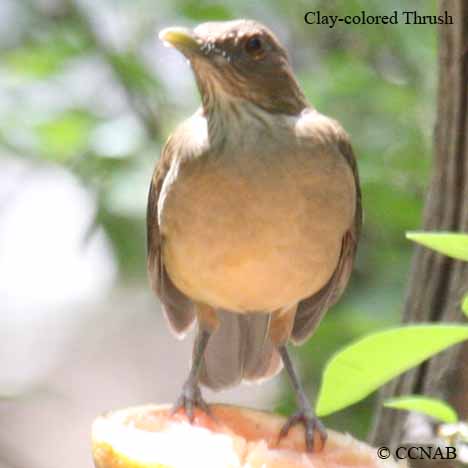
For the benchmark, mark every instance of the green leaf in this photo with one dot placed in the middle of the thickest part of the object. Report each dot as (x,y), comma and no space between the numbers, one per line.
(364,366)
(448,243)
(433,407)
(465,305)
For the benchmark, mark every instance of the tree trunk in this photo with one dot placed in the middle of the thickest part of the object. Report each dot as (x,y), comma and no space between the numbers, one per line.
(437,283)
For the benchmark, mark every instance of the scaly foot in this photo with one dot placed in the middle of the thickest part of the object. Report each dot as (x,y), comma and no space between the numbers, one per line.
(314,431)
(189,399)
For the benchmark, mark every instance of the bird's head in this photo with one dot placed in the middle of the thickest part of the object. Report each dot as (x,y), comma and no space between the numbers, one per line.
(239,60)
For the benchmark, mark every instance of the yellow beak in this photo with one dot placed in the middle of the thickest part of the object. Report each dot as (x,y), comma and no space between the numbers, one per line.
(182,39)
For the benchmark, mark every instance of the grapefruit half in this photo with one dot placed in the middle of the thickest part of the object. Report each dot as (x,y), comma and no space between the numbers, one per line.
(150,437)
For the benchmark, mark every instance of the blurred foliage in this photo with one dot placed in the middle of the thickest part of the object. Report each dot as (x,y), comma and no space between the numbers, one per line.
(64,136)
(87,86)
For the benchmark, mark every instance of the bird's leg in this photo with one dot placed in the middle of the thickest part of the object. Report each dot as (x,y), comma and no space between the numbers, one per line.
(315,433)
(191,394)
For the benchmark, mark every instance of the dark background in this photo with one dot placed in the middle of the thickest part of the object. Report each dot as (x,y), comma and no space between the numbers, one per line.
(88,96)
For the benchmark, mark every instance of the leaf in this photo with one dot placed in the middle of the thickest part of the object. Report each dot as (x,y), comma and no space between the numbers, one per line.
(465,305)
(433,407)
(448,243)
(361,368)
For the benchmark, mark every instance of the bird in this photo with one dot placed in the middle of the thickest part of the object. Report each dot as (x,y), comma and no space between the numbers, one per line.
(253,216)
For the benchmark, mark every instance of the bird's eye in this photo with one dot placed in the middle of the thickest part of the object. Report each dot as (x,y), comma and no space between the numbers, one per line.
(254,47)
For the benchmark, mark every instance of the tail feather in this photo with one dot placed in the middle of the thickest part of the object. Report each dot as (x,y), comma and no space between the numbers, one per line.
(240,349)
(222,364)
(262,361)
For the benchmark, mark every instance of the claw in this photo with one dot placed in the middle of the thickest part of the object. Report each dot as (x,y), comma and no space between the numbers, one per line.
(314,431)
(191,398)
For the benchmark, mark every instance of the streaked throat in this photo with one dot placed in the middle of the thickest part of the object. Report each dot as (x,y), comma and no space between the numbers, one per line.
(231,118)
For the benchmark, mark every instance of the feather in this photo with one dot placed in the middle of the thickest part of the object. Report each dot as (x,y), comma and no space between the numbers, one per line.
(239,349)
(177,307)
(311,310)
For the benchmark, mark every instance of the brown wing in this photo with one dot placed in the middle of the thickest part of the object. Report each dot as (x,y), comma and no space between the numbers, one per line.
(178,308)
(311,310)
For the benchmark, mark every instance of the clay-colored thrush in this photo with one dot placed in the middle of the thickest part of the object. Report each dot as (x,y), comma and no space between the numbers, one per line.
(253,216)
